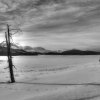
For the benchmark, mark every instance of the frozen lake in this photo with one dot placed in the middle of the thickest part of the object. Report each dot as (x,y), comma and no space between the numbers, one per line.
(50,63)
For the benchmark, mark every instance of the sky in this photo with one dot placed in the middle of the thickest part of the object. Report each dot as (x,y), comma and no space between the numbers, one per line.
(53,24)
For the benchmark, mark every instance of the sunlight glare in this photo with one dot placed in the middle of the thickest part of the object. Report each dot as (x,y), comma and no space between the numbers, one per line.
(4,58)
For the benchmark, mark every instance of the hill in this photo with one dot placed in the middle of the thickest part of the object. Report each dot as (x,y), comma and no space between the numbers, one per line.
(28,50)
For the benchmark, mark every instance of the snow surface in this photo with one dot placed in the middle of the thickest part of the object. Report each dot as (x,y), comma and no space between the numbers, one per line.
(78,83)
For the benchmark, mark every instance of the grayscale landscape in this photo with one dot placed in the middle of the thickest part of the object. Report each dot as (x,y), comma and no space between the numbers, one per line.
(49,49)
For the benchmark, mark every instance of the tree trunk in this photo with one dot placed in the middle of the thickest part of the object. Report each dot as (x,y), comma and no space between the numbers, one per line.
(7,36)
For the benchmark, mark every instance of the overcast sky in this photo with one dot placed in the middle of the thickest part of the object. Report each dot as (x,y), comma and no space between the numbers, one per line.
(65,24)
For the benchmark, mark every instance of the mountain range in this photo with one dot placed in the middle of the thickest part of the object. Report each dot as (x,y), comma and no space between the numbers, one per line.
(28,50)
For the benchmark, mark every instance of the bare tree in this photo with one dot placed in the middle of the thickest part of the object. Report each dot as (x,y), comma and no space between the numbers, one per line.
(9,54)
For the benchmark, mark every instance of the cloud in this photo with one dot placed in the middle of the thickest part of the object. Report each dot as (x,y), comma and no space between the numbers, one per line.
(46,19)
(69,18)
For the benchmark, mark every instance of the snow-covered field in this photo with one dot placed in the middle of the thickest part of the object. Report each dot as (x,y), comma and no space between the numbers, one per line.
(51,78)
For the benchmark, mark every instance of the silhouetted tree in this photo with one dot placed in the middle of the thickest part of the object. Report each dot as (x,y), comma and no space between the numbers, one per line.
(8,43)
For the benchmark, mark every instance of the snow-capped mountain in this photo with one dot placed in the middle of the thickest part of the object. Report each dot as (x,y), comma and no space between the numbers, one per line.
(35,49)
